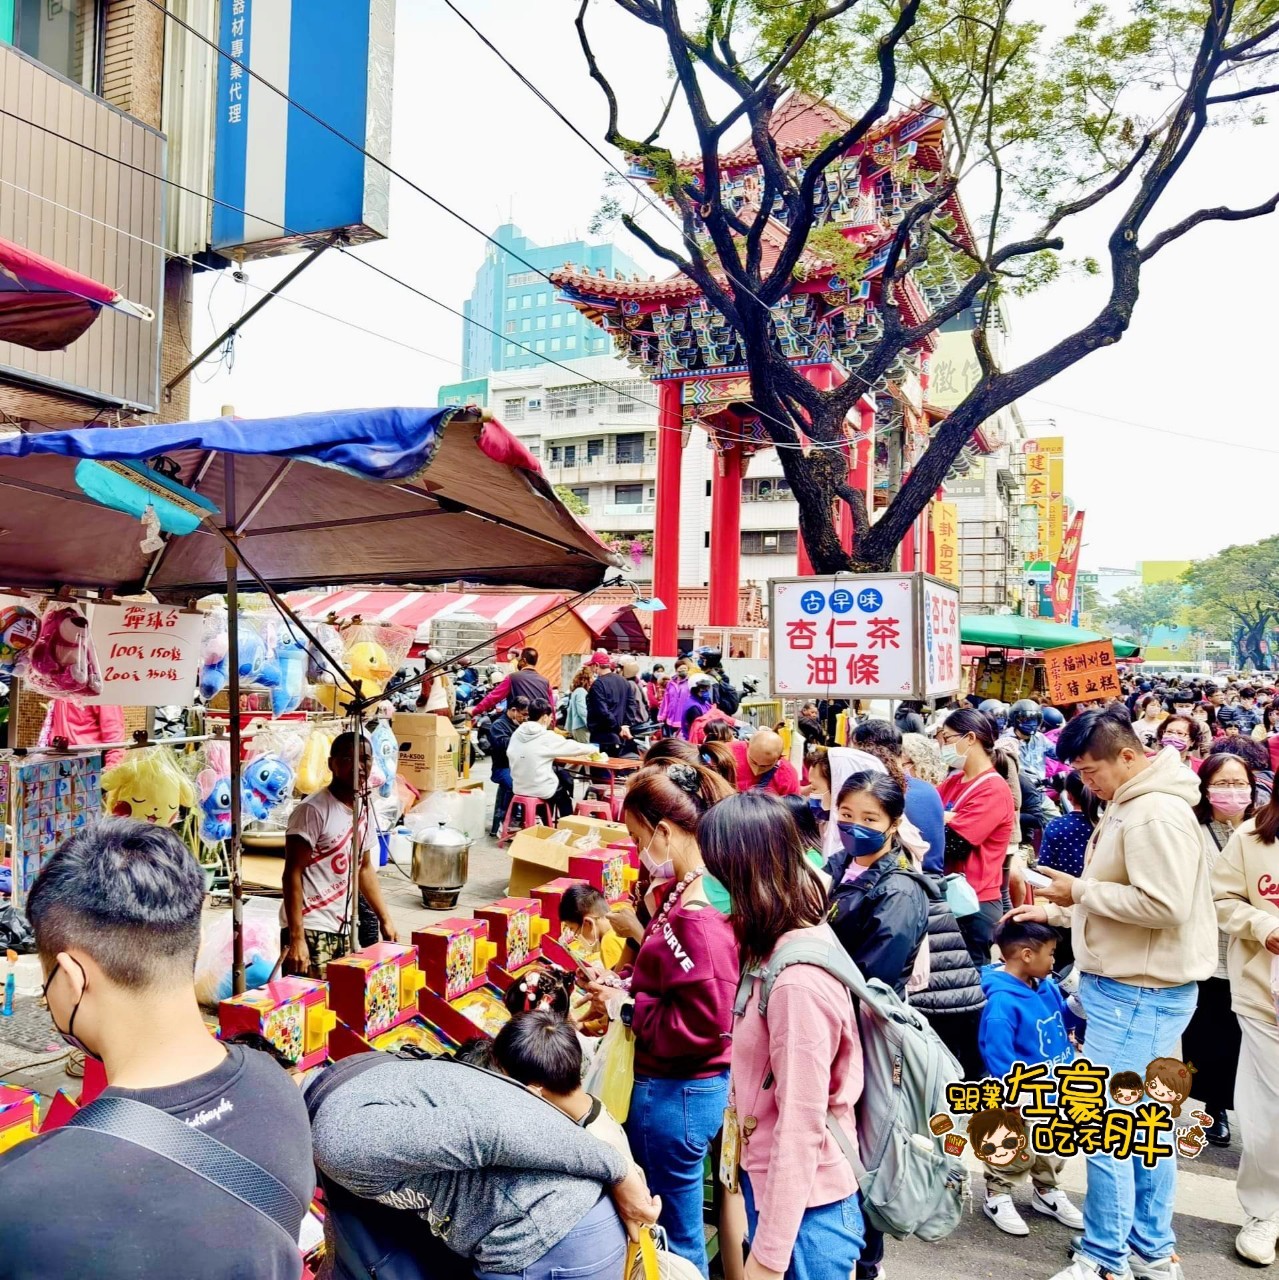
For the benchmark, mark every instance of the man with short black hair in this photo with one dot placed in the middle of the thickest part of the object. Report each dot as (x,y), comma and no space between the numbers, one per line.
(318,847)
(116,915)
(1144,935)
(524,682)
(500,730)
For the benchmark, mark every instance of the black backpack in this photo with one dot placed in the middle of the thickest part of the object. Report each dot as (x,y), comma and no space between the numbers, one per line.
(373,1241)
(727,699)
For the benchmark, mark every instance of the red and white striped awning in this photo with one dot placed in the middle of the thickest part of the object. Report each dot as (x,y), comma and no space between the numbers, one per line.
(418,609)
(616,626)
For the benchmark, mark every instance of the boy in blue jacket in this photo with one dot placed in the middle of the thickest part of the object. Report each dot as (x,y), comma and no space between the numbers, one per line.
(1025,1021)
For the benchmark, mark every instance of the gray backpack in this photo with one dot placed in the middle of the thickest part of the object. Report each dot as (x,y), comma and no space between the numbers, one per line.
(909,1185)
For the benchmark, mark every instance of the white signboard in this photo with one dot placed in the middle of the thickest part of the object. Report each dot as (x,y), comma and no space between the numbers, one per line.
(149,654)
(863,636)
(846,637)
(940,618)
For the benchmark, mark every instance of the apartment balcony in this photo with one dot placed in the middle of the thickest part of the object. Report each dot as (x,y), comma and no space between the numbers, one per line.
(98,214)
(600,469)
(622,517)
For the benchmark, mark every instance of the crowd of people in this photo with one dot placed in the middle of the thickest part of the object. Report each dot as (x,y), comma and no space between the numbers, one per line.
(1033,881)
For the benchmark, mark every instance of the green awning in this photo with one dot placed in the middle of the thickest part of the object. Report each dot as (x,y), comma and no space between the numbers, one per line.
(1010,631)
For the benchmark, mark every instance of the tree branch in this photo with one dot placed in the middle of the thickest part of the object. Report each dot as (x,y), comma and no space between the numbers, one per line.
(1218,214)
(1259,92)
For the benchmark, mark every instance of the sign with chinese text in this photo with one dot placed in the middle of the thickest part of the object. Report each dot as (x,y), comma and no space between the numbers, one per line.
(279,176)
(859,636)
(944,520)
(1056,505)
(1067,567)
(149,654)
(953,370)
(1081,673)
(939,610)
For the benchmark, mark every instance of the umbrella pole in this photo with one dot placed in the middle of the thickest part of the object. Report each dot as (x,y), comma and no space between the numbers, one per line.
(233,699)
(357,845)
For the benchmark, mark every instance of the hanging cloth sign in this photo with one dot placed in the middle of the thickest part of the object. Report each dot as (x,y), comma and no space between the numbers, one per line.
(149,654)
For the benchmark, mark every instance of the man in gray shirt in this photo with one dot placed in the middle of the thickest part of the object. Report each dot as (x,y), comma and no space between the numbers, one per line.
(499,1175)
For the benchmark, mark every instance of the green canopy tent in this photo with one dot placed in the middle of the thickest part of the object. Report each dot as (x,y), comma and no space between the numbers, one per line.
(1010,631)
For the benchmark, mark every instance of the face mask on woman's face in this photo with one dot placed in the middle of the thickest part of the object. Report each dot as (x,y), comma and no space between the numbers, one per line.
(952,757)
(1229,799)
(860,841)
(659,871)
(1176,742)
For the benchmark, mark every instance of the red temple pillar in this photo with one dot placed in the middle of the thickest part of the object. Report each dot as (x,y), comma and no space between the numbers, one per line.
(908,549)
(670,457)
(726,538)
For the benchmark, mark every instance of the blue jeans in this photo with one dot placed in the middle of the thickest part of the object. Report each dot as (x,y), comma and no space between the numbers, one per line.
(830,1237)
(594,1250)
(671,1126)
(501,778)
(1129,1207)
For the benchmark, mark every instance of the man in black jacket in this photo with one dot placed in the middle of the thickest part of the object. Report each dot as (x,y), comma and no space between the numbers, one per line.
(610,703)
(499,741)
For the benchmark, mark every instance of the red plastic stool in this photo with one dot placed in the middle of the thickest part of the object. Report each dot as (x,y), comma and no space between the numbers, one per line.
(594,809)
(530,807)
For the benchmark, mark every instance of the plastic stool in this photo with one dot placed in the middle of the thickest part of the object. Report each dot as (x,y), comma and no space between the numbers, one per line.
(594,809)
(530,807)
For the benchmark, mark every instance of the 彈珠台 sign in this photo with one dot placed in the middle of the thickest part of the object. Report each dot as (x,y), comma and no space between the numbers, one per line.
(863,636)
(149,654)
(1082,672)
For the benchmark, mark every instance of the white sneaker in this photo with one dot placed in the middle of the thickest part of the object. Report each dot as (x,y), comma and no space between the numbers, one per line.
(1160,1269)
(1086,1269)
(1256,1240)
(1055,1204)
(1000,1210)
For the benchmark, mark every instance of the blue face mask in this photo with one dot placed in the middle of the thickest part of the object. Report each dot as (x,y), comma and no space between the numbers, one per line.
(819,809)
(859,841)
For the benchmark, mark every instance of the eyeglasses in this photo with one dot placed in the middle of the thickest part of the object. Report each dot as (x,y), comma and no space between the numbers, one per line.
(1230,786)
(989,1148)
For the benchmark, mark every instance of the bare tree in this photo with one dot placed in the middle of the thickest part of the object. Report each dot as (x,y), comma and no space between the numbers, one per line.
(1050,129)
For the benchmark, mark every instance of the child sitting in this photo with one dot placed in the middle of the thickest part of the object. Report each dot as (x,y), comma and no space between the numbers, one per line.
(1024,1021)
(584,912)
(542,1051)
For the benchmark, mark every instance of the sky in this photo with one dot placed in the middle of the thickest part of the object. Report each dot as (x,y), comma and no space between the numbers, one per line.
(1170,435)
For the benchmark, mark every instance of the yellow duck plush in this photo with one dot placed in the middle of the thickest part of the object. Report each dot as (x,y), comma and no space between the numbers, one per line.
(367,662)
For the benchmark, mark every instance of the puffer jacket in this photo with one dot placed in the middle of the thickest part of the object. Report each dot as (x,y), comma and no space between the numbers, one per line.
(954,985)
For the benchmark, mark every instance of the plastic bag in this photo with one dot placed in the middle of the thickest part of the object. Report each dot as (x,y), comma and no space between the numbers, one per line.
(611,1075)
(15,932)
(261,950)
(213,785)
(265,782)
(148,785)
(214,645)
(61,663)
(386,755)
(283,671)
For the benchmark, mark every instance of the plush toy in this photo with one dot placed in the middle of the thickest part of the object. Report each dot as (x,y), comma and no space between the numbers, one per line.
(19,629)
(386,756)
(266,781)
(61,662)
(284,674)
(213,655)
(213,783)
(252,652)
(313,768)
(367,662)
(148,786)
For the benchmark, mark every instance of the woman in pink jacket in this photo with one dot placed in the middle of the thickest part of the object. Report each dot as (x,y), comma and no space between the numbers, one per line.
(801,1065)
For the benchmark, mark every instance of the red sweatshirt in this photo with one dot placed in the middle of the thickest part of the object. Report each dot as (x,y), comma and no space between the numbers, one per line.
(684,984)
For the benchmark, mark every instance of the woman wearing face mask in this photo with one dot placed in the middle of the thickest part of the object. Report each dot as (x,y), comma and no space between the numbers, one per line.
(674,701)
(1150,711)
(878,902)
(1181,735)
(980,815)
(1212,1039)
(798,1071)
(682,991)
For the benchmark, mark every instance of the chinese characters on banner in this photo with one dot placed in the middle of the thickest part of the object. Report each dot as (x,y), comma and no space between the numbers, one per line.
(237,47)
(1063,584)
(942,661)
(865,636)
(149,654)
(1082,673)
(944,521)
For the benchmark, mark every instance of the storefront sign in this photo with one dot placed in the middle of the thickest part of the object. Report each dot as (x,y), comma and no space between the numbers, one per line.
(149,654)
(945,526)
(1082,673)
(863,636)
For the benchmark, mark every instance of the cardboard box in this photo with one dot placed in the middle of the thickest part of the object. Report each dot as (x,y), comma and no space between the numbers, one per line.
(538,854)
(597,829)
(429,749)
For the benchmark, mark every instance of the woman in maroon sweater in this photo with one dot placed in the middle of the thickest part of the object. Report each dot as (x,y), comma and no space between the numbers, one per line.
(682,987)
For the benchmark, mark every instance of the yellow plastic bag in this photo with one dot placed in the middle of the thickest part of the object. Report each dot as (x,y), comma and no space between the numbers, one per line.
(648,1259)
(313,768)
(612,1072)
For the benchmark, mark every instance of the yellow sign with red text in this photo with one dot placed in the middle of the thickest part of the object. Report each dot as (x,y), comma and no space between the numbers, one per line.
(944,522)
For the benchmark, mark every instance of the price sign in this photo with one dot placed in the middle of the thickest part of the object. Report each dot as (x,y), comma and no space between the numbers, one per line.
(149,654)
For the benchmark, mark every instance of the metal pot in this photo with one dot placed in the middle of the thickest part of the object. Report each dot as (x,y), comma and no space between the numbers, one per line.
(441,857)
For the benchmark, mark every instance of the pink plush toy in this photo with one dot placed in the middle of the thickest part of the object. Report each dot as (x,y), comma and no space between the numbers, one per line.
(62,663)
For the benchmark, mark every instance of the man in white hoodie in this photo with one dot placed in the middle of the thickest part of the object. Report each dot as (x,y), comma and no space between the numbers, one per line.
(532,751)
(1144,933)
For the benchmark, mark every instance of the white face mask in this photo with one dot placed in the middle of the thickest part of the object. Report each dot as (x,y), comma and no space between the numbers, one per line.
(952,757)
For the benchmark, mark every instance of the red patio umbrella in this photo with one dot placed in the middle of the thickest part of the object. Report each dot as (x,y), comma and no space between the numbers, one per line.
(46,306)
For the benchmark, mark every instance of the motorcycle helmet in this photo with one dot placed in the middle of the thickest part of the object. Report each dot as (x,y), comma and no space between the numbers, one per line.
(1053,719)
(1026,716)
(997,711)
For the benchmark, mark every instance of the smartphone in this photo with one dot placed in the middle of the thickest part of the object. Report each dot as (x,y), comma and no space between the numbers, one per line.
(1039,880)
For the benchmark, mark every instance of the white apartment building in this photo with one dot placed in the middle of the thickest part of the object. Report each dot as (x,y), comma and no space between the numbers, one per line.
(600,443)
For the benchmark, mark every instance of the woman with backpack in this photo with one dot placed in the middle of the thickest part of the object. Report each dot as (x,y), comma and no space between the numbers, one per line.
(797,1072)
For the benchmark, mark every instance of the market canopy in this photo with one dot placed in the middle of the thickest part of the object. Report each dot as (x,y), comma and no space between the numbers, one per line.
(46,306)
(1011,631)
(322,499)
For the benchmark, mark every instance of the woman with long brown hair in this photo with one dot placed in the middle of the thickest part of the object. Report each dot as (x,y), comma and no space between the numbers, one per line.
(682,990)
(798,1072)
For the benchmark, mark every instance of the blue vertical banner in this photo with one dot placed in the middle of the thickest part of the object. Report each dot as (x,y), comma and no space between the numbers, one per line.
(284,173)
